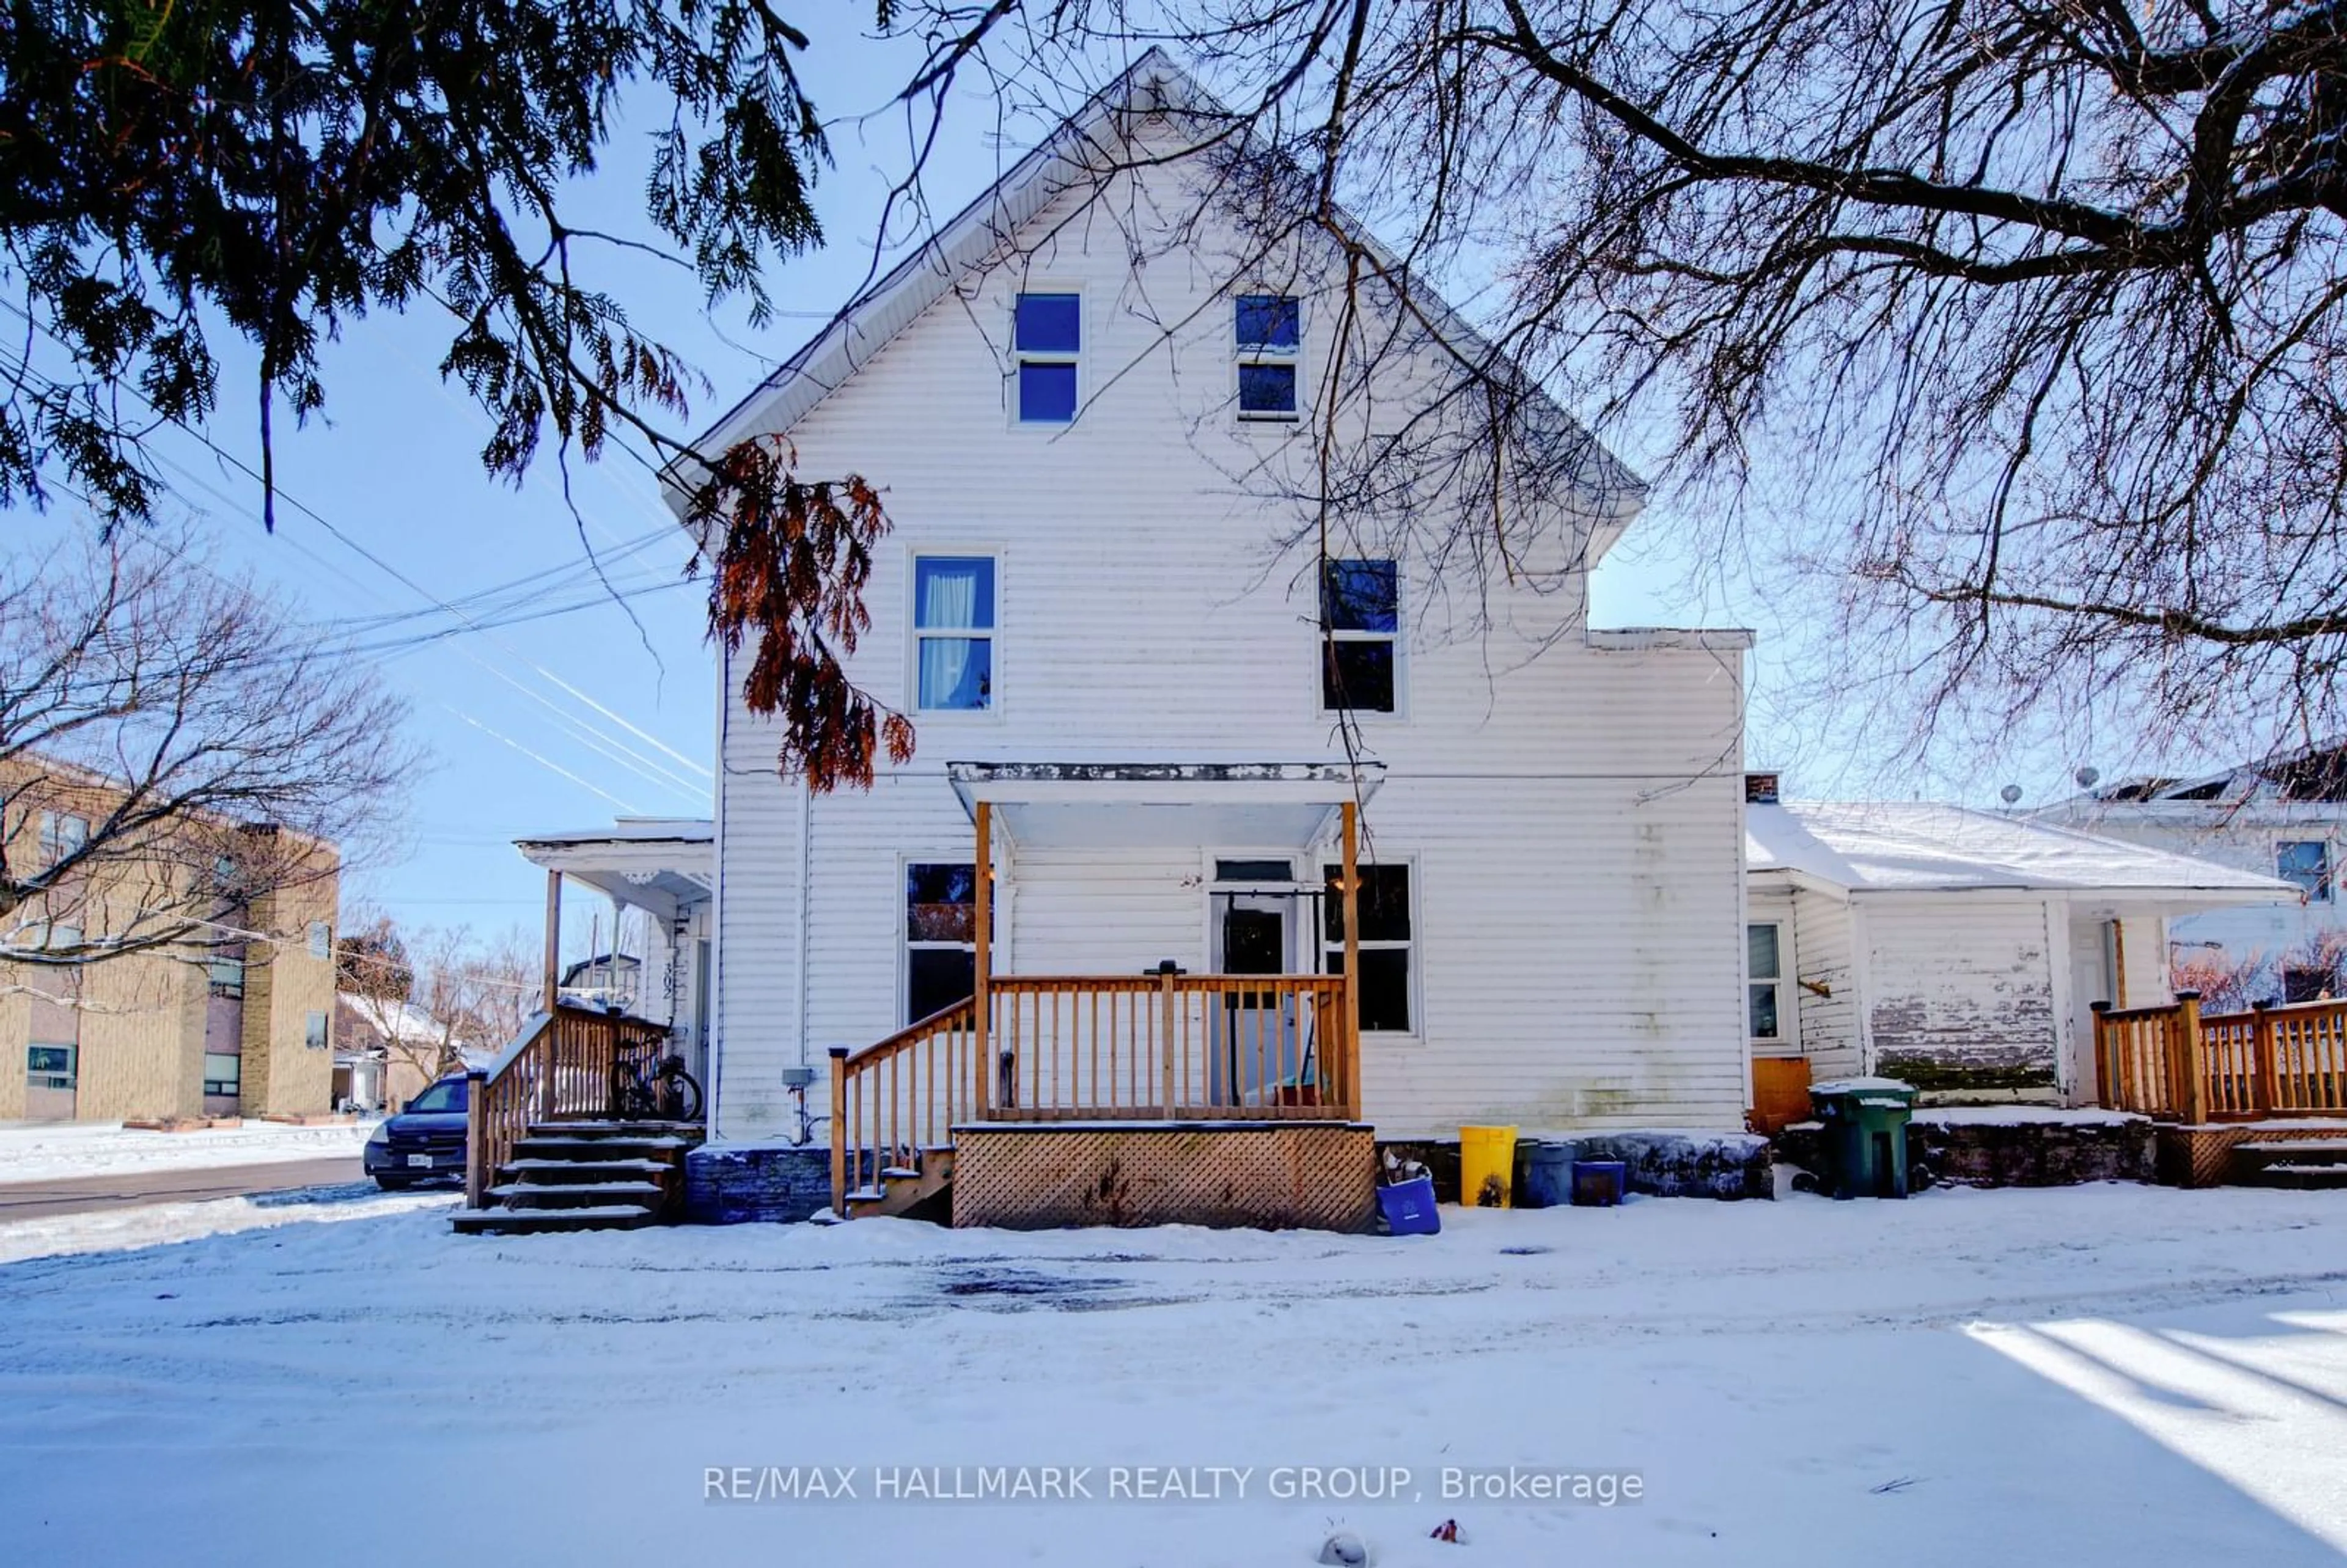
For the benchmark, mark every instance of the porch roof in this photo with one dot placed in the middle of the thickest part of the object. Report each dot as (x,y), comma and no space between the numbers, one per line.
(1164,804)
(1904,847)
(660,864)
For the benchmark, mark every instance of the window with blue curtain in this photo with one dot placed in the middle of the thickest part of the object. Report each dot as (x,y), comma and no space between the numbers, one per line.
(953,625)
(1269,333)
(1049,331)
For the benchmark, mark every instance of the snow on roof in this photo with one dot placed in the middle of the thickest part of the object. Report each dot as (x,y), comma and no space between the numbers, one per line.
(633,830)
(1920,846)
(392,1020)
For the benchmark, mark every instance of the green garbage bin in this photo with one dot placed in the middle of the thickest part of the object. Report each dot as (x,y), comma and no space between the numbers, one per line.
(1865,1121)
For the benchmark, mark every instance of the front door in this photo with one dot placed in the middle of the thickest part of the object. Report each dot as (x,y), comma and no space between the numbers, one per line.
(1255,1035)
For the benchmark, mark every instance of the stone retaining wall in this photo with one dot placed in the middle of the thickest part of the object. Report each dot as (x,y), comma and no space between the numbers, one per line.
(2019,1153)
(726,1184)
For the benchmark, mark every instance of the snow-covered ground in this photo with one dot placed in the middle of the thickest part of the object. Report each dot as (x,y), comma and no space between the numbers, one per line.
(2096,1375)
(59,1150)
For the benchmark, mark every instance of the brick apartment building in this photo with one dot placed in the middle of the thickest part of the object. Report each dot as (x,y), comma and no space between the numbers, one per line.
(241,1025)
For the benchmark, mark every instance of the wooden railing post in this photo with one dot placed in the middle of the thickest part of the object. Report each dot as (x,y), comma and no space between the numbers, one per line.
(2106,1093)
(1349,1081)
(839,1131)
(1165,973)
(476,1143)
(2194,1106)
(2266,1071)
(982,936)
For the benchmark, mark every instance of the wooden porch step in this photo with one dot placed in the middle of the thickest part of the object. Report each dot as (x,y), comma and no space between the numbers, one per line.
(902,1188)
(555,1173)
(578,1194)
(2301,1177)
(2315,1151)
(535,1221)
(605,1128)
(614,1146)
(2295,1162)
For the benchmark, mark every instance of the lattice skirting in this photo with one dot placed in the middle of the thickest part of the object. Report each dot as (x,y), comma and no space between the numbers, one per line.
(2202,1156)
(1282,1175)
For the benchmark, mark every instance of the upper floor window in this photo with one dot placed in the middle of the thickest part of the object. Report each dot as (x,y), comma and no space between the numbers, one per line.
(62,835)
(321,940)
(224,977)
(1048,333)
(2306,862)
(953,631)
(1360,604)
(314,1033)
(1270,333)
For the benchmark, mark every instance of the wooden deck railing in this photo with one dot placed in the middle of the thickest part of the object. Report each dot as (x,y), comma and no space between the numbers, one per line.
(1094,1048)
(2174,1061)
(891,1100)
(560,1068)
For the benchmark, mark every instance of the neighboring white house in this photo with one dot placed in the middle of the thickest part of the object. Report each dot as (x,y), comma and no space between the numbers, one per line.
(1959,950)
(387,1052)
(663,867)
(1108,633)
(2286,817)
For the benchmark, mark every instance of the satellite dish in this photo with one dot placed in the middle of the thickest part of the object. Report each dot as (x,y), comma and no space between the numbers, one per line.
(2088,777)
(2010,794)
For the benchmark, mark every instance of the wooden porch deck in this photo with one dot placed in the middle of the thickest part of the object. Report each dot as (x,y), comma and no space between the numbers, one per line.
(1230,1060)
(2174,1063)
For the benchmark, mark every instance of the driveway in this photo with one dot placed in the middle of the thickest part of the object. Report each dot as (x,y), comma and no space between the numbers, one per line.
(131,1189)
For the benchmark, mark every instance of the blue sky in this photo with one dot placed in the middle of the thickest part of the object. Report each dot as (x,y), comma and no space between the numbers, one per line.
(567,719)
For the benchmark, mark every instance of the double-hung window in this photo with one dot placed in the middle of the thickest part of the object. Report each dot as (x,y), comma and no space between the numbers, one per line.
(953,632)
(62,835)
(50,1066)
(1048,333)
(1270,336)
(1385,942)
(2307,862)
(1764,976)
(1360,604)
(940,936)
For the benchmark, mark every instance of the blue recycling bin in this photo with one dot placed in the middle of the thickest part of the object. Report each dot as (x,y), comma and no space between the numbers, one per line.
(1599,1183)
(1408,1208)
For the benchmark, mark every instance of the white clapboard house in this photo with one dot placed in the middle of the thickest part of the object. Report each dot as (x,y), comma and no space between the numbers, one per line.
(1088,954)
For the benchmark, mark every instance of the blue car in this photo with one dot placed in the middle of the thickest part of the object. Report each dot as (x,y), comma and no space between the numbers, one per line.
(422,1143)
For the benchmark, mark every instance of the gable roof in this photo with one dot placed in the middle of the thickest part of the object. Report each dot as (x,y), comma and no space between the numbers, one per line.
(870,322)
(1895,846)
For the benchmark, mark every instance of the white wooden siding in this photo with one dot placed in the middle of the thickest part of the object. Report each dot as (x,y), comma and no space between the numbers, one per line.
(1962,981)
(1574,815)
(1822,934)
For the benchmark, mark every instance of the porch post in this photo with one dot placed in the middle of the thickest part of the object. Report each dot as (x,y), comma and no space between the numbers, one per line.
(982,938)
(1349,1083)
(553,937)
(2118,963)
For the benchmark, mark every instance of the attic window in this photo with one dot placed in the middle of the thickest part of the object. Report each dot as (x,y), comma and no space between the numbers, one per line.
(1269,334)
(1048,333)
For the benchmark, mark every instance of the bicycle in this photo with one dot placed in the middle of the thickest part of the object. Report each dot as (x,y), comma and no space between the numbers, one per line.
(667,1093)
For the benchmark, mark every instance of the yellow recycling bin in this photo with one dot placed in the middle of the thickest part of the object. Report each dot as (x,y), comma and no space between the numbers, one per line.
(1487,1165)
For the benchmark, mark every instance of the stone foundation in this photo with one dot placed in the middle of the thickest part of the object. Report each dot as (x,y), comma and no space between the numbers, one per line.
(740,1183)
(2048,1152)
